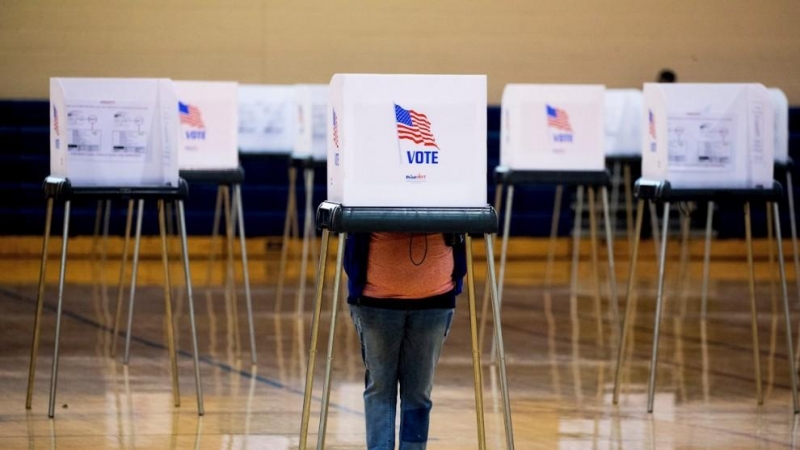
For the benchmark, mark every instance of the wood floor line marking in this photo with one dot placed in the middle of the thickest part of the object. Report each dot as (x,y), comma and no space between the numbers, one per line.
(220,365)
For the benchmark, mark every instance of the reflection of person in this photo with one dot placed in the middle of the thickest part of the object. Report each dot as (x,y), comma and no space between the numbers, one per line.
(403,289)
(667,76)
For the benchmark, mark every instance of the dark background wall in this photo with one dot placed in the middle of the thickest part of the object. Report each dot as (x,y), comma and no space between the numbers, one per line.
(24,163)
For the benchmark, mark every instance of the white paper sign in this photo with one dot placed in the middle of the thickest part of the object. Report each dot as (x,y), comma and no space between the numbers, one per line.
(113,132)
(267,118)
(407,140)
(708,135)
(623,113)
(552,127)
(208,116)
(311,101)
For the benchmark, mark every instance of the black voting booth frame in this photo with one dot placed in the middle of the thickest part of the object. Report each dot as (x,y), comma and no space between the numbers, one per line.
(660,192)
(61,190)
(339,219)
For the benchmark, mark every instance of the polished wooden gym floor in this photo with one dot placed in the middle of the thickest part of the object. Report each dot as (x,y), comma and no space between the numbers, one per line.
(560,357)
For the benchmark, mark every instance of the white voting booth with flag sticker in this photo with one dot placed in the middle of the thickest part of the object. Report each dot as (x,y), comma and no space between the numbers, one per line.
(623,122)
(407,140)
(781,106)
(311,102)
(267,118)
(708,135)
(552,127)
(208,123)
(114,132)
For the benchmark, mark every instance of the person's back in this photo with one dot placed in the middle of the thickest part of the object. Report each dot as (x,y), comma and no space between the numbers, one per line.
(403,289)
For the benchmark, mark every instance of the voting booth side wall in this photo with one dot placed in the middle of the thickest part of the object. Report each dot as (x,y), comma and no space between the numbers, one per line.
(24,163)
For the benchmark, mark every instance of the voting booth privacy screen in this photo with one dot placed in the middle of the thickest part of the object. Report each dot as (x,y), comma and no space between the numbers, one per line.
(552,127)
(623,115)
(781,106)
(407,140)
(708,135)
(311,102)
(266,118)
(208,124)
(114,132)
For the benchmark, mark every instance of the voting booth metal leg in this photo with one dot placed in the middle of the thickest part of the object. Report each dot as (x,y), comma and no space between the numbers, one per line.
(291,211)
(576,242)
(496,310)
(753,308)
(786,312)
(662,256)
(134,271)
(61,275)
(237,199)
(628,203)
(595,269)
(707,260)
(612,271)
(37,318)
(312,348)
(476,353)
(188,280)
(214,235)
(230,277)
(615,182)
(551,245)
(173,359)
(307,231)
(654,228)
(326,387)
(628,297)
(793,225)
(498,197)
(123,266)
(504,244)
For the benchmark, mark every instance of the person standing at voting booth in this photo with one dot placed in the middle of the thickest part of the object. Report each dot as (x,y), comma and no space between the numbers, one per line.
(402,296)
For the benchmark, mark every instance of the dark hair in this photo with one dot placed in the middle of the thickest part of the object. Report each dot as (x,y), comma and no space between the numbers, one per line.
(667,76)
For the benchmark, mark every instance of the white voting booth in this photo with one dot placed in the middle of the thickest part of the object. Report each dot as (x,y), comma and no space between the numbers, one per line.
(780,105)
(311,137)
(623,123)
(115,138)
(310,150)
(555,134)
(113,132)
(406,153)
(266,118)
(708,135)
(710,143)
(208,114)
(399,140)
(552,127)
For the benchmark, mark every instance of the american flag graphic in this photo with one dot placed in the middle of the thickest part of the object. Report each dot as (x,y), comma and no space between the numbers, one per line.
(55,120)
(558,118)
(190,115)
(414,127)
(652,121)
(335,130)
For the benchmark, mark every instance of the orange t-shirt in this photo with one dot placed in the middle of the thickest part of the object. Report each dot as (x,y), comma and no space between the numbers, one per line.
(408,266)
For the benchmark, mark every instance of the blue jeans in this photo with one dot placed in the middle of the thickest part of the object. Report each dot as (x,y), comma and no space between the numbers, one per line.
(399,346)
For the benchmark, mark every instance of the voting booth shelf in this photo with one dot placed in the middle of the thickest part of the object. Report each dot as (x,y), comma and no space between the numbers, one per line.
(406,153)
(57,189)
